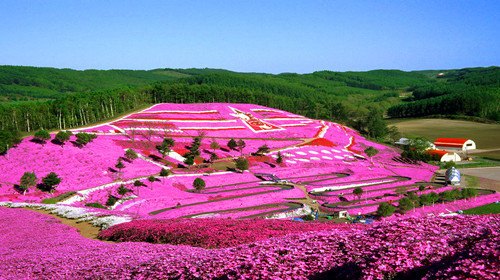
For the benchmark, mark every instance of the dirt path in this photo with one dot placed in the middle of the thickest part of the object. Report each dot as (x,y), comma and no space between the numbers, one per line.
(86,229)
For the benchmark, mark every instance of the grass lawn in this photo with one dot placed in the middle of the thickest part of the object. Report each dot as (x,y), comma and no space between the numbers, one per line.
(493,208)
(485,135)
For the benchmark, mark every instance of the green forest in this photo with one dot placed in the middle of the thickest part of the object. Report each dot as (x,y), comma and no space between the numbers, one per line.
(47,98)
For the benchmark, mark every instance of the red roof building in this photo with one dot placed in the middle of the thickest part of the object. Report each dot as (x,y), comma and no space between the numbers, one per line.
(454,144)
(444,156)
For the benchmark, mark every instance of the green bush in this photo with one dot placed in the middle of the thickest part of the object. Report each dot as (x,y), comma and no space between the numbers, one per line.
(111,200)
(371,151)
(199,184)
(385,209)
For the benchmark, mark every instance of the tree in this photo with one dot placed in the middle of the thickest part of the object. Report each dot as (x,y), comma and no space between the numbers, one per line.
(151,179)
(28,180)
(417,149)
(232,144)
(214,145)
(421,188)
(62,136)
(122,190)
(242,163)
(385,209)
(405,204)
(111,200)
(131,154)
(138,183)
(214,157)
(8,138)
(51,181)
(358,192)
(371,151)
(119,164)
(279,159)
(83,138)
(375,124)
(262,150)
(241,145)
(189,159)
(165,147)
(41,136)
(165,172)
(199,184)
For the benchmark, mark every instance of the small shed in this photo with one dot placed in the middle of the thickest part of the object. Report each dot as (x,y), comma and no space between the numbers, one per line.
(445,156)
(455,144)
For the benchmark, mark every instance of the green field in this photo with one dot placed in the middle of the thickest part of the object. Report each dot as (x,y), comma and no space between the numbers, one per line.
(485,135)
(493,208)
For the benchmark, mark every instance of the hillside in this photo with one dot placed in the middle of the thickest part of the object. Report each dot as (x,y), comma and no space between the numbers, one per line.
(35,98)
(21,83)
(473,92)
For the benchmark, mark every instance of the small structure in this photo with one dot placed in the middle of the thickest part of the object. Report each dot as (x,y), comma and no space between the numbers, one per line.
(405,142)
(445,156)
(453,176)
(455,144)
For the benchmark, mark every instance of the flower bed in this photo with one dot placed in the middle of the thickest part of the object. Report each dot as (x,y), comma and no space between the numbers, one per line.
(209,233)
(463,247)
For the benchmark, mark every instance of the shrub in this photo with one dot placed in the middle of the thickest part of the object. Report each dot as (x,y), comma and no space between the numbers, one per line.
(50,182)
(131,154)
(83,138)
(232,144)
(151,179)
(165,172)
(122,190)
(371,151)
(111,200)
(199,184)
(28,180)
(405,204)
(262,150)
(62,136)
(385,209)
(358,192)
(42,136)
(242,163)
(279,159)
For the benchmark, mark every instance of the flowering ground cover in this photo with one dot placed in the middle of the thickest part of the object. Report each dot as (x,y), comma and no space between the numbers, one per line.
(320,160)
(464,247)
(209,233)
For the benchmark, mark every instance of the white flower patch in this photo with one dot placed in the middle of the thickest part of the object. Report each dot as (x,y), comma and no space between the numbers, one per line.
(326,152)
(313,152)
(338,157)
(289,155)
(325,157)
(301,153)
(74,213)
(305,210)
(315,158)
(336,151)
(291,161)
(303,160)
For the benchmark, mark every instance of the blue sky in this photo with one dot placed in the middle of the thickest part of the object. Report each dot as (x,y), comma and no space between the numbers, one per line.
(250,36)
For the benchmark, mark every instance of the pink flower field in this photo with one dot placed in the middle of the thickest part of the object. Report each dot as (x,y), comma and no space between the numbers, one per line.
(237,224)
(430,248)
(320,161)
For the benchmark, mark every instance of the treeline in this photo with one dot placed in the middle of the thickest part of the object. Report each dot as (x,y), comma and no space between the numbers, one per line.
(22,83)
(69,111)
(470,92)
